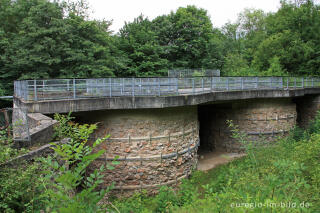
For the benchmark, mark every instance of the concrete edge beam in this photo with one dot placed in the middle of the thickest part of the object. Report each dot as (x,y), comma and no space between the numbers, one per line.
(105,103)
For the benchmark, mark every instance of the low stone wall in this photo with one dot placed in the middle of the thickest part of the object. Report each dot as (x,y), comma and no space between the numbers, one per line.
(263,120)
(155,146)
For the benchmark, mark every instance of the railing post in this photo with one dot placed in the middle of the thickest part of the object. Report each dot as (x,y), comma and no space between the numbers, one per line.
(97,87)
(295,82)
(257,82)
(177,85)
(281,86)
(140,86)
(35,89)
(110,87)
(270,82)
(227,83)
(103,87)
(122,86)
(288,82)
(68,85)
(193,89)
(302,82)
(159,87)
(312,82)
(241,83)
(211,82)
(202,84)
(26,90)
(74,88)
(133,86)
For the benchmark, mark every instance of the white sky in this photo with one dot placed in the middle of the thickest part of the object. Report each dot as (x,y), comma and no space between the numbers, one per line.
(220,11)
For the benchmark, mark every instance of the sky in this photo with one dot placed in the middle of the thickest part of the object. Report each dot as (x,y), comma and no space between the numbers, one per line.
(220,11)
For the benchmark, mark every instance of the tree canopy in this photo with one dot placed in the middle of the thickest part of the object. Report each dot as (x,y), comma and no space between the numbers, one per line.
(57,39)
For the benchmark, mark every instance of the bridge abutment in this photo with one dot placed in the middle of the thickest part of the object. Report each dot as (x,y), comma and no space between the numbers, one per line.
(262,120)
(155,146)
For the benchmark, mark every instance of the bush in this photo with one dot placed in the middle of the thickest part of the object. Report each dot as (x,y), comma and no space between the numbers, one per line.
(286,173)
(21,189)
(68,187)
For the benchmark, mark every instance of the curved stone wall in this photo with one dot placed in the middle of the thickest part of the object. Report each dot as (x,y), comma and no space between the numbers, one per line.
(261,119)
(155,146)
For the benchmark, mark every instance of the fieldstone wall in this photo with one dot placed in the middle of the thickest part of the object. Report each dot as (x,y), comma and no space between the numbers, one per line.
(263,120)
(155,146)
(307,108)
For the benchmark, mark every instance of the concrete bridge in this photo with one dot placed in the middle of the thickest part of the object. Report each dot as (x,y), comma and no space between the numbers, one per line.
(156,124)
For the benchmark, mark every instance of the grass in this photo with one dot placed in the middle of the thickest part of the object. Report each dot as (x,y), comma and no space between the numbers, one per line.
(284,177)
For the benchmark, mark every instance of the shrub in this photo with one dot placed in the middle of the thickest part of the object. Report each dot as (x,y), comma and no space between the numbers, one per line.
(67,186)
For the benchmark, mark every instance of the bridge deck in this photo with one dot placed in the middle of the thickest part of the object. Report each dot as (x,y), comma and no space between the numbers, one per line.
(65,89)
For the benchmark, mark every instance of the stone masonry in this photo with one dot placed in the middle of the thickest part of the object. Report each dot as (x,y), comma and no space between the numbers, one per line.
(261,119)
(155,146)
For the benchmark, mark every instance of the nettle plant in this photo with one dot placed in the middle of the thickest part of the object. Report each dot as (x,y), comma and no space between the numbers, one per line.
(68,185)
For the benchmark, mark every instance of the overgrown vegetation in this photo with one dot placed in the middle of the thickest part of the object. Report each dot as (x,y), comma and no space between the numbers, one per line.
(59,182)
(284,177)
(56,39)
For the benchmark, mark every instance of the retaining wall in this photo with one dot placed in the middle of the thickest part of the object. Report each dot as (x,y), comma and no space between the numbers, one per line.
(261,119)
(155,146)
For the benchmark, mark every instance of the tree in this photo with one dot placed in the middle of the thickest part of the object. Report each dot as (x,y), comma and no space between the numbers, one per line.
(190,34)
(44,43)
(293,36)
(144,54)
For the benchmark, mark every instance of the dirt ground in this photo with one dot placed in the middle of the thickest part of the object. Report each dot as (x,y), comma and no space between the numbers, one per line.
(210,160)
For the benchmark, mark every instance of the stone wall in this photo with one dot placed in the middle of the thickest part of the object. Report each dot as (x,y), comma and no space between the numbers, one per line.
(261,119)
(307,108)
(155,146)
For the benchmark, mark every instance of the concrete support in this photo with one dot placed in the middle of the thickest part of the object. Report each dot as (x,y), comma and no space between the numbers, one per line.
(39,129)
(261,119)
(155,146)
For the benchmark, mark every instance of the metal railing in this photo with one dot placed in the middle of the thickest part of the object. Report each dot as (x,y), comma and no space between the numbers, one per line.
(14,123)
(56,89)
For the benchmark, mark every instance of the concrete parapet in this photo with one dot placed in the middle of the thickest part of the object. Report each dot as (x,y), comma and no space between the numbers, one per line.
(105,103)
(41,130)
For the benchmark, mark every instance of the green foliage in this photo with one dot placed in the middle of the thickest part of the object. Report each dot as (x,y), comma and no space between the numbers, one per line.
(60,182)
(55,39)
(275,68)
(7,152)
(43,39)
(16,192)
(68,187)
(145,57)
(236,65)
(21,189)
(287,172)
